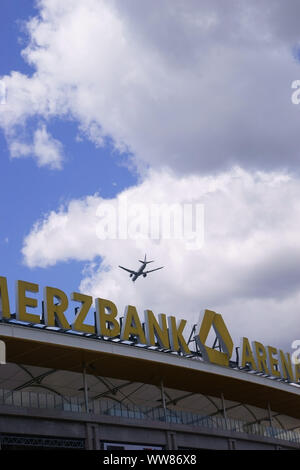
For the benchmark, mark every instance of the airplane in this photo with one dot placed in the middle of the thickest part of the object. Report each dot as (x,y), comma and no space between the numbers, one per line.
(135,274)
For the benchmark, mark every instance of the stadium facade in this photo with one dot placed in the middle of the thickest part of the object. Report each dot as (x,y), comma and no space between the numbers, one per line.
(132,385)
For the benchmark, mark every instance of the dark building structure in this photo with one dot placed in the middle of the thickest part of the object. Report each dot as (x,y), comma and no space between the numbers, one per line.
(63,390)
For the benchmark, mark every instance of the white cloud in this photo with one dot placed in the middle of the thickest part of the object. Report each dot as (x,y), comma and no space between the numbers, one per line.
(187,88)
(47,150)
(248,268)
(44,148)
(193,86)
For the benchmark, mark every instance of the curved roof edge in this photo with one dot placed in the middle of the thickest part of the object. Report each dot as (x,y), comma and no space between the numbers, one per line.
(49,348)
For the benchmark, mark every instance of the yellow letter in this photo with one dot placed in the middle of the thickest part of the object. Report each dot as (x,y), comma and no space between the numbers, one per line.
(131,326)
(4,299)
(155,329)
(22,302)
(177,341)
(215,320)
(273,362)
(106,322)
(247,355)
(260,356)
(86,303)
(286,368)
(54,313)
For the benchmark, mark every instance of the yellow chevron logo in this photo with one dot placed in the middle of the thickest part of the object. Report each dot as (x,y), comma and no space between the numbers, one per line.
(215,320)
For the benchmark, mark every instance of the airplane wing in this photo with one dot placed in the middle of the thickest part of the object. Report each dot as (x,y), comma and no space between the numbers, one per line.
(129,270)
(151,270)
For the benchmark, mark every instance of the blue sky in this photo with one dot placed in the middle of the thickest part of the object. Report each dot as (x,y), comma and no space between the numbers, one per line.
(12,35)
(160,102)
(28,192)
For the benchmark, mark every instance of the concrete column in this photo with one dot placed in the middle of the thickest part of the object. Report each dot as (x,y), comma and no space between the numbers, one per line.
(171,441)
(88,437)
(92,440)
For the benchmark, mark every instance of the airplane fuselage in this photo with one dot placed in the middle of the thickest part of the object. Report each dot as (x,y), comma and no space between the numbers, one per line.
(139,272)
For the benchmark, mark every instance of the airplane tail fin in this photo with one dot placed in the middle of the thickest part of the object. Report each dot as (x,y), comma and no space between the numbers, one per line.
(145,261)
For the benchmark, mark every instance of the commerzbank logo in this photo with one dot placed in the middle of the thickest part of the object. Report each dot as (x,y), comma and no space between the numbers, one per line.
(214,320)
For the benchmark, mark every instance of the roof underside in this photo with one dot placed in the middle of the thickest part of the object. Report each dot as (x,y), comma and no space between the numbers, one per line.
(67,384)
(132,375)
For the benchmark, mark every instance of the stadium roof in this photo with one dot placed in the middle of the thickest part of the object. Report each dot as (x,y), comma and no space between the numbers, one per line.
(119,370)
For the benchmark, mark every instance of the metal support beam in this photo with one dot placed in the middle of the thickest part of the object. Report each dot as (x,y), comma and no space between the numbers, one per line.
(270,415)
(163,398)
(174,401)
(224,408)
(85,389)
(112,391)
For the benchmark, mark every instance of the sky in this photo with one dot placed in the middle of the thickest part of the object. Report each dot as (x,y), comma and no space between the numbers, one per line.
(113,109)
